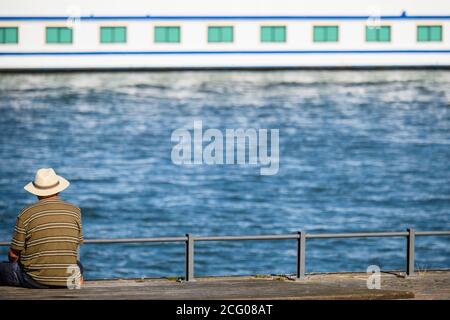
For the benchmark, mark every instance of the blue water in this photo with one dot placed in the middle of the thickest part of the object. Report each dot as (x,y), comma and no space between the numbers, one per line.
(359,151)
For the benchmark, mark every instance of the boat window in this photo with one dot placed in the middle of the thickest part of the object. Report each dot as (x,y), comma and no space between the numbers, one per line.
(9,35)
(378,33)
(167,34)
(113,34)
(220,34)
(429,33)
(326,33)
(273,34)
(58,35)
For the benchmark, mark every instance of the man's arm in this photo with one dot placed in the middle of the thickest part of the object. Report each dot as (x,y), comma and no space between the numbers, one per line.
(17,242)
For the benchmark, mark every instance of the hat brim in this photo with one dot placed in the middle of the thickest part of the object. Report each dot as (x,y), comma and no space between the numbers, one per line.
(62,185)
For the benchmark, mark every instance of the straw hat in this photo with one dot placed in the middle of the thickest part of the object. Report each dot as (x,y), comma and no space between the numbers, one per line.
(46,183)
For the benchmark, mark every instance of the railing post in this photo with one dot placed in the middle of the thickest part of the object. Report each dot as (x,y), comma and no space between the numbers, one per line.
(189,268)
(301,247)
(411,238)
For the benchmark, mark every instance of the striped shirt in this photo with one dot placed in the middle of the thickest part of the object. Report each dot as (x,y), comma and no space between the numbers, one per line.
(47,234)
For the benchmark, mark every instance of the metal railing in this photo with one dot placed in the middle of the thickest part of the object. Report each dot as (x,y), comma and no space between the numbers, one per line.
(300,237)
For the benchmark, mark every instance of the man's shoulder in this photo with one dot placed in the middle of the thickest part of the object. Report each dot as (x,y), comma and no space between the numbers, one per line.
(29,208)
(71,205)
(44,204)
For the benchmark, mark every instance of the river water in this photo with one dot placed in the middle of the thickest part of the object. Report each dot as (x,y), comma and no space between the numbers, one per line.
(359,151)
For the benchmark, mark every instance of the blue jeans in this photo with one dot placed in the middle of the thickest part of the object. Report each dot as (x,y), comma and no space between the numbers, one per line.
(11,274)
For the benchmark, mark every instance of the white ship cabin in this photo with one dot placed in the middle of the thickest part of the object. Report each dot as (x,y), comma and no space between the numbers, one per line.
(164,34)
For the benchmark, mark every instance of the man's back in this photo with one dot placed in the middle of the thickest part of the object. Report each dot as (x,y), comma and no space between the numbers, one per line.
(47,235)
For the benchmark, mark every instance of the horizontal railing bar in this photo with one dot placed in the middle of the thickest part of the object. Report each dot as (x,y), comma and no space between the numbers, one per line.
(135,240)
(433,233)
(261,237)
(356,235)
(234,238)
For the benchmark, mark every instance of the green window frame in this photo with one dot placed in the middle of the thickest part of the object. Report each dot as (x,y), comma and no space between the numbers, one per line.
(9,35)
(326,33)
(58,35)
(273,33)
(220,34)
(167,34)
(113,34)
(429,33)
(378,33)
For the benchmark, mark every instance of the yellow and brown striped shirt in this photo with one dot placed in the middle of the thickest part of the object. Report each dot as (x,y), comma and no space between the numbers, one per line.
(48,234)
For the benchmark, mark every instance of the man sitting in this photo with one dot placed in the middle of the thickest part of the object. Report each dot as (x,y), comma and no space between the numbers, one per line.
(46,239)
